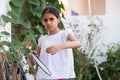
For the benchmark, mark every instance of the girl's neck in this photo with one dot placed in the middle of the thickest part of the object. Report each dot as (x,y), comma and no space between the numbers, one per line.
(53,31)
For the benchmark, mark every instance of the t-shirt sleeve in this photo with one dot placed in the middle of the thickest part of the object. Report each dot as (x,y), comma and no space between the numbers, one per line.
(40,41)
(67,32)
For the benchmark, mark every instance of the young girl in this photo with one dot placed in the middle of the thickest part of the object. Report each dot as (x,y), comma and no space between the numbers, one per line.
(55,48)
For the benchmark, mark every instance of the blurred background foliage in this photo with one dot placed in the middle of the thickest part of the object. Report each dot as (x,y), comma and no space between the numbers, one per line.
(109,70)
(25,14)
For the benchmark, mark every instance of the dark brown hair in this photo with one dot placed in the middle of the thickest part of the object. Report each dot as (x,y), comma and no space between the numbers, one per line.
(52,10)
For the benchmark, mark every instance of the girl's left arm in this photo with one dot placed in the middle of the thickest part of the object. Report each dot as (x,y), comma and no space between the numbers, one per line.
(72,42)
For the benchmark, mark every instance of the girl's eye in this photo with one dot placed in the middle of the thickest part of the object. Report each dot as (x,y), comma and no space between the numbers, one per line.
(51,19)
(46,20)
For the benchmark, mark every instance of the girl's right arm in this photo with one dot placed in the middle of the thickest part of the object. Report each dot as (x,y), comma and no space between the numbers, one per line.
(31,61)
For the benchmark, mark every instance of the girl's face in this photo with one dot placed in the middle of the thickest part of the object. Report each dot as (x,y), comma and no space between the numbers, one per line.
(50,21)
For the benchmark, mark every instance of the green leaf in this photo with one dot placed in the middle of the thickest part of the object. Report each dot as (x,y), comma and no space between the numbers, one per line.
(40,29)
(43,4)
(18,3)
(5,33)
(61,26)
(31,34)
(32,37)
(52,1)
(26,23)
(34,44)
(1,46)
(34,2)
(6,19)
(25,51)
(14,18)
(62,6)
(15,10)
(6,43)
(36,11)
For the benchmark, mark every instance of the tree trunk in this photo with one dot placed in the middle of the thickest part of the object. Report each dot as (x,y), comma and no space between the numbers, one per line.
(2,74)
(14,75)
(18,76)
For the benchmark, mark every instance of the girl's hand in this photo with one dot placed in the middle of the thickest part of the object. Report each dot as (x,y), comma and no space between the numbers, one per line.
(30,58)
(30,54)
(53,49)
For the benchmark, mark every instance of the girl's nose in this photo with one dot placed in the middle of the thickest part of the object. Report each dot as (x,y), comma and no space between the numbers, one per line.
(48,22)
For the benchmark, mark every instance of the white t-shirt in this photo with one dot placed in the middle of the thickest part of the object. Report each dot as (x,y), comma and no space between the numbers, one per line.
(60,64)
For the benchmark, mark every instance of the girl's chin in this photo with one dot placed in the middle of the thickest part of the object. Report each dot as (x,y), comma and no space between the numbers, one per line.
(50,30)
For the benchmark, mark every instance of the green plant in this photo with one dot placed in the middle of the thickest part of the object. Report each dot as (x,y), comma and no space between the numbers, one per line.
(110,69)
(84,67)
(25,14)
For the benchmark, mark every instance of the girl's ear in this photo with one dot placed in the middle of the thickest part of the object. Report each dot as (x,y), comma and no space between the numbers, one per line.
(59,20)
